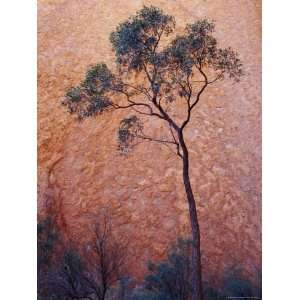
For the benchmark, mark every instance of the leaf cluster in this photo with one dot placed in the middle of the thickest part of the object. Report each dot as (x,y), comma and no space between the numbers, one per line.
(136,39)
(129,129)
(170,280)
(90,98)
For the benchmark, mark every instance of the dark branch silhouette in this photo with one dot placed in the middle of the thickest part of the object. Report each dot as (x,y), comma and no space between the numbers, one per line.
(86,272)
(106,258)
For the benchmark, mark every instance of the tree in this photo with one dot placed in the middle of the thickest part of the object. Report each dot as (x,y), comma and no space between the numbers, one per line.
(86,272)
(69,281)
(171,75)
(105,258)
(170,280)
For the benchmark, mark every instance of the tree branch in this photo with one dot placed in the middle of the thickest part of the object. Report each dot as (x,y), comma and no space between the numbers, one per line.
(164,142)
(138,89)
(203,87)
(217,78)
(147,74)
(154,100)
(198,96)
(132,104)
(144,137)
(188,100)
(158,40)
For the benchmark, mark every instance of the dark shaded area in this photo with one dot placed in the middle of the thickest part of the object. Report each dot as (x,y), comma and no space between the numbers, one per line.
(67,271)
(171,280)
(97,271)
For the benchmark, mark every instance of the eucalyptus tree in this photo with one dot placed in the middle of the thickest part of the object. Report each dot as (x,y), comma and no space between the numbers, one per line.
(159,76)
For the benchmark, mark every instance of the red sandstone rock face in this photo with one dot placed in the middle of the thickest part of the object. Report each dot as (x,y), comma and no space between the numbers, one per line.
(145,191)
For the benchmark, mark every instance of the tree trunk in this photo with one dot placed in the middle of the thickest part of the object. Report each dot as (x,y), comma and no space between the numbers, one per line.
(102,294)
(196,268)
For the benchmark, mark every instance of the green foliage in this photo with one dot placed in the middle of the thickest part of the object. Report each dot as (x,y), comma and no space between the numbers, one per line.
(72,264)
(148,295)
(135,40)
(170,280)
(47,240)
(197,49)
(86,272)
(235,284)
(67,279)
(228,62)
(197,44)
(91,97)
(46,237)
(168,69)
(129,129)
(98,80)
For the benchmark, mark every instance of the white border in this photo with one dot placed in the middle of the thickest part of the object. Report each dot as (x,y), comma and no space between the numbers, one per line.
(18,150)
(281,149)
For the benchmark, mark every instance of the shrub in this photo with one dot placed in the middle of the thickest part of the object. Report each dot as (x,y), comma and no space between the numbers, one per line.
(169,280)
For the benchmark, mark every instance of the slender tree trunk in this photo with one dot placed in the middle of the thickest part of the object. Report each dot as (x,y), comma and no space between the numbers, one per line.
(102,294)
(196,267)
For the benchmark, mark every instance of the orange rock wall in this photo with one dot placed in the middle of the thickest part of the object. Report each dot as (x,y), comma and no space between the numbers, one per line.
(144,191)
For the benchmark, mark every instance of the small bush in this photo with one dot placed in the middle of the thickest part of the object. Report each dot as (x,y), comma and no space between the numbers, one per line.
(235,284)
(169,280)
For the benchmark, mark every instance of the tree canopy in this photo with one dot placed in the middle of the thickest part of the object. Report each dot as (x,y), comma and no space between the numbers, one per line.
(167,72)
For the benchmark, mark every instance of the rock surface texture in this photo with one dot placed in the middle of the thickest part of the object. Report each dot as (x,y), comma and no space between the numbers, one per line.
(81,171)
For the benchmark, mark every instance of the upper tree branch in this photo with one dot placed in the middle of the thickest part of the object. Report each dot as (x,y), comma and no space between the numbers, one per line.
(143,91)
(132,104)
(164,114)
(151,80)
(203,87)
